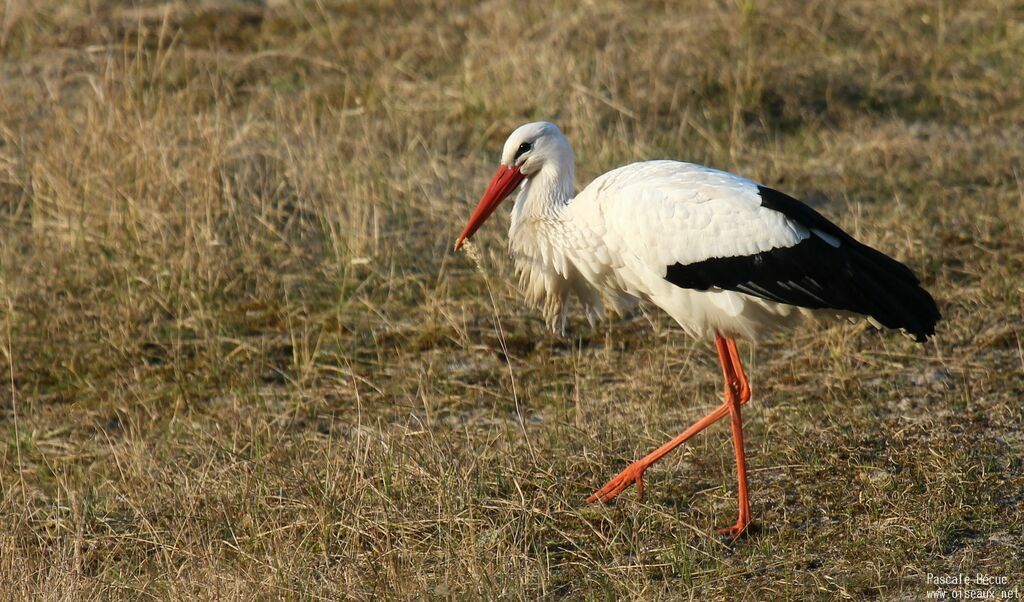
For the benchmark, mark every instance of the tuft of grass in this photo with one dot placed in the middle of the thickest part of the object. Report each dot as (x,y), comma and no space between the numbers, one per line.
(239,358)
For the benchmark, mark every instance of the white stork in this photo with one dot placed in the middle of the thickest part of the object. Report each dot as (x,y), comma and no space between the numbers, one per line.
(724,256)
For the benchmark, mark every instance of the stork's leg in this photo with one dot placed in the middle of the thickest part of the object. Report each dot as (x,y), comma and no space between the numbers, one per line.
(634,473)
(737,390)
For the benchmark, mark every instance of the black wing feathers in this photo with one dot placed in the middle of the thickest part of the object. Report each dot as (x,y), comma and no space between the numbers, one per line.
(801,213)
(817,275)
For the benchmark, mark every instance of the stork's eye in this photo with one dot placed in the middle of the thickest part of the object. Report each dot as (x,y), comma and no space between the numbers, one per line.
(523,148)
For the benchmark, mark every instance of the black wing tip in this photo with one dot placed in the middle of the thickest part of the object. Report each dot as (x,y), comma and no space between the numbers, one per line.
(901,301)
(926,329)
(902,304)
(923,336)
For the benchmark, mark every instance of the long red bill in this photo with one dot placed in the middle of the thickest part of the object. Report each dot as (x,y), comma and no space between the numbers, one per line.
(502,184)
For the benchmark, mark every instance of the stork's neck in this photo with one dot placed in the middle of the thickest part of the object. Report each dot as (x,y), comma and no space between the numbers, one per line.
(538,239)
(545,195)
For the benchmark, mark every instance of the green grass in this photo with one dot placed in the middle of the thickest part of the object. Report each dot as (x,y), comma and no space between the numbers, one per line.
(240,359)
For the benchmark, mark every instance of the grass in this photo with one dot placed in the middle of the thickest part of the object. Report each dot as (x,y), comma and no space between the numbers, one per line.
(241,361)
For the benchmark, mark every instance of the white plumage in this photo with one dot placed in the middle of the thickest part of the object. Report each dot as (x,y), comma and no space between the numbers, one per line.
(724,256)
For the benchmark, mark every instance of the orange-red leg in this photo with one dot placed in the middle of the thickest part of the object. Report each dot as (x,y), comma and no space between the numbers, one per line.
(737,392)
(733,394)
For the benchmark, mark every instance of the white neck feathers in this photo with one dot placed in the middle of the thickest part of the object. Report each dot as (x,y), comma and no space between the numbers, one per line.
(538,239)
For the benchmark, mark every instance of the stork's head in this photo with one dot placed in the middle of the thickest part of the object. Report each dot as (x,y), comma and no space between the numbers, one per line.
(527,151)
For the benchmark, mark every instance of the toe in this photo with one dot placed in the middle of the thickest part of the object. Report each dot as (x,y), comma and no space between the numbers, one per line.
(732,532)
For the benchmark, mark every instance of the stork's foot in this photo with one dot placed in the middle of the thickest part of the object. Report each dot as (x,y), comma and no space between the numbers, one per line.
(634,473)
(735,531)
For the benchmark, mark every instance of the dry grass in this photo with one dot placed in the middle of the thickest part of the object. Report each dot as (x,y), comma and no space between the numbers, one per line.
(240,359)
